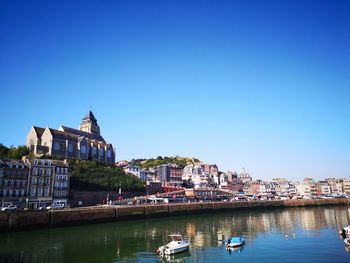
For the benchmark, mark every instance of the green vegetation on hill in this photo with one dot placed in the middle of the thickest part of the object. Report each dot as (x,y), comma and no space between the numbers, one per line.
(13,152)
(152,163)
(95,176)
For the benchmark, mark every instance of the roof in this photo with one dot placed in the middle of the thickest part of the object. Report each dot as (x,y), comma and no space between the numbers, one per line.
(63,135)
(39,131)
(90,116)
(60,163)
(92,136)
(6,162)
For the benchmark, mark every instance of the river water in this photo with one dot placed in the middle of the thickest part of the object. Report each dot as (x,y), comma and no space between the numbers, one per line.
(312,237)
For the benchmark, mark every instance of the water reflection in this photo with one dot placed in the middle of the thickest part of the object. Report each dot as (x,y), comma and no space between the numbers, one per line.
(133,240)
(235,249)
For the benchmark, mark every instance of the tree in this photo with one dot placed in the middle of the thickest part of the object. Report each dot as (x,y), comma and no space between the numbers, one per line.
(13,152)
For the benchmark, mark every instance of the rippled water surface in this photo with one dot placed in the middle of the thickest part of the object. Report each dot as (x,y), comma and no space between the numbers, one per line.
(312,237)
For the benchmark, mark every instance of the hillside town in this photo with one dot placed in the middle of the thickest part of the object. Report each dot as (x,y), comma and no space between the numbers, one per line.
(41,180)
(170,177)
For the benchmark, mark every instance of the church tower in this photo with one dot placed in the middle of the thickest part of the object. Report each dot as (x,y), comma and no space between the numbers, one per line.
(89,124)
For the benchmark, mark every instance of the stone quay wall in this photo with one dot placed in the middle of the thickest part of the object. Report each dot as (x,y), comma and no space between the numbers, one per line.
(26,220)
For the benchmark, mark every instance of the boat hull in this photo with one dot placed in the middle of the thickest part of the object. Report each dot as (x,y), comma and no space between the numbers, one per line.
(172,251)
(347,241)
(236,244)
(166,250)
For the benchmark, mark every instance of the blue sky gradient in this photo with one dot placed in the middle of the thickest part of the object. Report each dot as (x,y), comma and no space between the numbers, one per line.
(256,84)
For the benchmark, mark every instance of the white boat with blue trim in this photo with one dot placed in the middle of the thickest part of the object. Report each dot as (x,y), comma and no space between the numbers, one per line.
(177,245)
(235,242)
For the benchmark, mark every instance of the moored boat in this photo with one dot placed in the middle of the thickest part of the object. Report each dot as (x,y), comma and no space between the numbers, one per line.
(176,245)
(345,234)
(235,242)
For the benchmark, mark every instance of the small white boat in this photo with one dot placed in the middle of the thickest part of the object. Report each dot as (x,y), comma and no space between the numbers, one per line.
(235,242)
(345,234)
(177,245)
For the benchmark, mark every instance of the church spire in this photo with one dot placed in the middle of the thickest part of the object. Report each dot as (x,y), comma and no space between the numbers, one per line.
(89,124)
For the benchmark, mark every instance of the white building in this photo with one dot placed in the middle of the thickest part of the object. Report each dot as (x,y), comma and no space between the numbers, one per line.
(133,169)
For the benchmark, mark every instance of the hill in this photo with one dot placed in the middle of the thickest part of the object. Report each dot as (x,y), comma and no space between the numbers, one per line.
(154,162)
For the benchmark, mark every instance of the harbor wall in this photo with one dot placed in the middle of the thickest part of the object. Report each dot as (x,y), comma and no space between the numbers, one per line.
(19,220)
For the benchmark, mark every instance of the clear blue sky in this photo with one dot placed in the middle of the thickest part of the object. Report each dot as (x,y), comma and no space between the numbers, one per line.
(258,84)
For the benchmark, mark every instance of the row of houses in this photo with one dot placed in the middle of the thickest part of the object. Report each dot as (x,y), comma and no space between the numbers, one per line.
(169,177)
(33,183)
(306,187)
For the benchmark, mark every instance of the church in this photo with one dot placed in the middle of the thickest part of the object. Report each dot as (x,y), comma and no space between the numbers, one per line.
(85,143)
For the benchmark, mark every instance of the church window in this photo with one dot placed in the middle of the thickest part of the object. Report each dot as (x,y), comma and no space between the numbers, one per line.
(109,154)
(70,148)
(101,152)
(93,150)
(83,149)
(56,146)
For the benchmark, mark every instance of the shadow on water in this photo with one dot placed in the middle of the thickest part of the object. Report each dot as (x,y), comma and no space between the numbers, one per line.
(137,240)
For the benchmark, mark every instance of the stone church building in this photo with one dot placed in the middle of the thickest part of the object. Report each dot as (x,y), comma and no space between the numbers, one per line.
(85,143)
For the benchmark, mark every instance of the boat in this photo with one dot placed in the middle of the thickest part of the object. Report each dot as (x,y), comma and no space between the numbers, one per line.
(235,242)
(176,245)
(347,241)
(345,234)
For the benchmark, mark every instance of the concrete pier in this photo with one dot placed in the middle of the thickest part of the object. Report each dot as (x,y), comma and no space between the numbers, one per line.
(26,220)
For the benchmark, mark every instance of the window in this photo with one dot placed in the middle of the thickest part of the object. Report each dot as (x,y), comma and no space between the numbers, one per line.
(109,153)
(101,152)
(94,150)
(83,149)
(56,146)
(66,170)
(48,172)
(70,148)
(33,180)
(40,191)
(47,191)
(32,191)
(35,171)
(47,181)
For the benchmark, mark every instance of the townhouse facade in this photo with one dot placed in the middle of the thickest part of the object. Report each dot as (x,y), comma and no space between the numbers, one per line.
(13,182)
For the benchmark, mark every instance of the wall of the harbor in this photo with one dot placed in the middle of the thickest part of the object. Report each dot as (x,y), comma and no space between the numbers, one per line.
(42,219)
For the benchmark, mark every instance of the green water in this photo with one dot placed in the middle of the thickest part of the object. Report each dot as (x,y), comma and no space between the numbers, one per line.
(315,239)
